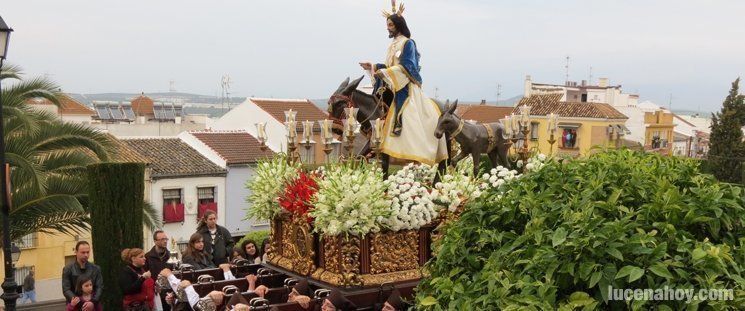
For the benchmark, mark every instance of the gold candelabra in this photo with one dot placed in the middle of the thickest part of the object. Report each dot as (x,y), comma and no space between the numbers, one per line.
(326,137)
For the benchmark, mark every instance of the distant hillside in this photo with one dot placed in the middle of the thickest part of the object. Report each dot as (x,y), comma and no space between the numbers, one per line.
(165,97)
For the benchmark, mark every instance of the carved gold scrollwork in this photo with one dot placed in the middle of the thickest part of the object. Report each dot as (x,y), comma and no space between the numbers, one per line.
(394,251)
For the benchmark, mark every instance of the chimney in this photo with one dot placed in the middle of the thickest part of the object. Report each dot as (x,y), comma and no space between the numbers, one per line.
(584,82)
(603,82)
(528,86)
(483,102)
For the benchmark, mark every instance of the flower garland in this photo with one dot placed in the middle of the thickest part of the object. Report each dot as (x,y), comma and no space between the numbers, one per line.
(411,204)
(298,193)
(267,185)
(350,199)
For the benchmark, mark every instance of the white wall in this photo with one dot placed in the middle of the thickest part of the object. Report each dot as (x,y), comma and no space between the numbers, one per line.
(188,187)
(246,115)
(76,119)
(236,201)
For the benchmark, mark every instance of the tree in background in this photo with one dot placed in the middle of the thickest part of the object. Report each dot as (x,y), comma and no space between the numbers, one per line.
(116,193)
(726,149)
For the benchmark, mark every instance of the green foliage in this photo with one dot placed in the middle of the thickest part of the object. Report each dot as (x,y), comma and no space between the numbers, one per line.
(726,149)
(257,236)
(116,193)
(560,236)
(48,159)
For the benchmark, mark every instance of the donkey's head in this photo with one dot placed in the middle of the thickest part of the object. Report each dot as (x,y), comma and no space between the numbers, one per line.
(342,98)
(448,121)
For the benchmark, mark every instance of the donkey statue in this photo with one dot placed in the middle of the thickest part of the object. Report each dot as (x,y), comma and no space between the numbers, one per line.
(474,139)
(370,109)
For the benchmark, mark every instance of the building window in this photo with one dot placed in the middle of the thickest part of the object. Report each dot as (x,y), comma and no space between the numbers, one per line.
(28,241)
(206,200)
(534,131)
(656,141)
(569,138)
(21,273)
(173,206)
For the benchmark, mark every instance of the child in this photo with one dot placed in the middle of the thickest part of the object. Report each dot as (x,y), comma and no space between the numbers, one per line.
(84,292)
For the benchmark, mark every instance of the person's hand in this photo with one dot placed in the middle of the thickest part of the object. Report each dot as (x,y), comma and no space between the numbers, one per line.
(366,65)
(184,284)
(216,296)
(170,298)
(302,300)
(225,267)
(75,301)
(240,307)
(88,306)
(251,278)
(261,291)
(146,275)
(166,272)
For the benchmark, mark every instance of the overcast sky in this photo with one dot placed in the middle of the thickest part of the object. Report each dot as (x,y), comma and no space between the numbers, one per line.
(304,49)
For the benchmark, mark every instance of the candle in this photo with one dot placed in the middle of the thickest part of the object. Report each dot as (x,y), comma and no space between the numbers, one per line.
(307,131)
(376,130)
(514,123)
(290,115)
(291,129)
(550,124)
(261,132)
(507,125)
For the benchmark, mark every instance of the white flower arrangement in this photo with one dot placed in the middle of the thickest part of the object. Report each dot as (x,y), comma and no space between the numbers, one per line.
(456,187)
(267,185)
(536,162)
(411,204)
(497,177)
(350,200)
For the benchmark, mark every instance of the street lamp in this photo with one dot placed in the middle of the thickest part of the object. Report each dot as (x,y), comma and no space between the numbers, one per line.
(10,292)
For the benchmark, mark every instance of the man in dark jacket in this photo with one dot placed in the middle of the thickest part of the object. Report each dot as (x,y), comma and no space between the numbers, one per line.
(156,259)
(217,239)
(81,266)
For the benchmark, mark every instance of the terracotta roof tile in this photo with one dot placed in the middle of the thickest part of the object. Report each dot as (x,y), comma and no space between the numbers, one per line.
(483,113)
(143,106)
(125,153)
(70,106)
(236,147)
(542,105)
(171,157)
(306,110)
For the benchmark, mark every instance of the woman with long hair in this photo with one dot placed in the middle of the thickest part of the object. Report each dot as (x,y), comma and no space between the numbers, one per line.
(137,285)
(195,254)
(251,251)
(217,239)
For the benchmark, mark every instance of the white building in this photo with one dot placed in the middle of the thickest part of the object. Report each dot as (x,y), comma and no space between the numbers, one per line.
(603,92)
(636,123)
(237,152)
(182,184)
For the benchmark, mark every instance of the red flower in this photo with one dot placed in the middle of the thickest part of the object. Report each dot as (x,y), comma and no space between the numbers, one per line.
(297,195)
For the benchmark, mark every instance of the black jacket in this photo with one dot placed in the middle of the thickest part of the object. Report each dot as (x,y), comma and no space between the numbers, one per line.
(155,262)
(223,244)
(70,276)
(130,280)
(205,263)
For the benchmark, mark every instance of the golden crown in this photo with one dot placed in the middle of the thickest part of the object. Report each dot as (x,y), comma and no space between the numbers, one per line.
(394,11)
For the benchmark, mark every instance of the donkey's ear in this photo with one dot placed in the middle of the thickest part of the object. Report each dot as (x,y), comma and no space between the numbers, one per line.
(452,107)
(352,86)
(342,86)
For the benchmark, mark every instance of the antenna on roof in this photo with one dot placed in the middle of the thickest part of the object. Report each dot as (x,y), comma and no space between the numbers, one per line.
(670,103)
(499,93)
(437,91)
(225,86)
(566,80)
(589,78)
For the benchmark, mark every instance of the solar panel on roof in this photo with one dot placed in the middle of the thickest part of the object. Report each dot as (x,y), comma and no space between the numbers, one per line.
(116,113)
(168,112)
(158,111)
(178,110)
(128,112)
(103,113)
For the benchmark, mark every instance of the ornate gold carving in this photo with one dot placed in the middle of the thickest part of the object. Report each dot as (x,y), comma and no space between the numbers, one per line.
(394,251)
(399,276)
(297,247)
(332,254)
(350,253)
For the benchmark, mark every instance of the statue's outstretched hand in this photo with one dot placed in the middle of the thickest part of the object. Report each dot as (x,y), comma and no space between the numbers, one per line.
(366,65)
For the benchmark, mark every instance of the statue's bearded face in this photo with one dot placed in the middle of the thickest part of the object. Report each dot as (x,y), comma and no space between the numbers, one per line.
(392,31)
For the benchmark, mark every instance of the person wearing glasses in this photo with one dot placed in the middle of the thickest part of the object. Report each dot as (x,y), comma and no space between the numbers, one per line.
(156,260)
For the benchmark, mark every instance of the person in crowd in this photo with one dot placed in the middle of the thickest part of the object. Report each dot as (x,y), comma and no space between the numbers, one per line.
(83,294)
(264,248)
(81,267)
(29,288)
(156,259)
(217,239)
(236,255)
(137,285)
(337,302)
(253,255)
(393,303)
(195,254)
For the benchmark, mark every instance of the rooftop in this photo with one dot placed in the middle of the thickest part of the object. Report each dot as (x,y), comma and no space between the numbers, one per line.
(171,157)
(542,105)
(235,147)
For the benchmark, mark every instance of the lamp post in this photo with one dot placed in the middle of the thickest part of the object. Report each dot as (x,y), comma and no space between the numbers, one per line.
(553,126)
(10,293)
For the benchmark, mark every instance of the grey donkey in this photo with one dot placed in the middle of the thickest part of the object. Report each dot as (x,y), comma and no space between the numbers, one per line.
(474,139)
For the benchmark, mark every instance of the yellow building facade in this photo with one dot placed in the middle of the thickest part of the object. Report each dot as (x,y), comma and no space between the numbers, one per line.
(581,126)
(660,131)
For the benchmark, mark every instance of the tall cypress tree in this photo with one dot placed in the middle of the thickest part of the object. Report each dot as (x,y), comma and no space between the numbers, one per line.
(116,193)
(726,149)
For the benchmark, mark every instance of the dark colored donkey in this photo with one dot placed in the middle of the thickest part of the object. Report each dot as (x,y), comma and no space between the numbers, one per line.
(370,109)
(474,139)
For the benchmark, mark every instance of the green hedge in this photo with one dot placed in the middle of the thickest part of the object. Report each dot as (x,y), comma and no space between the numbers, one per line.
(559,237)
(116,201)
(256,236)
